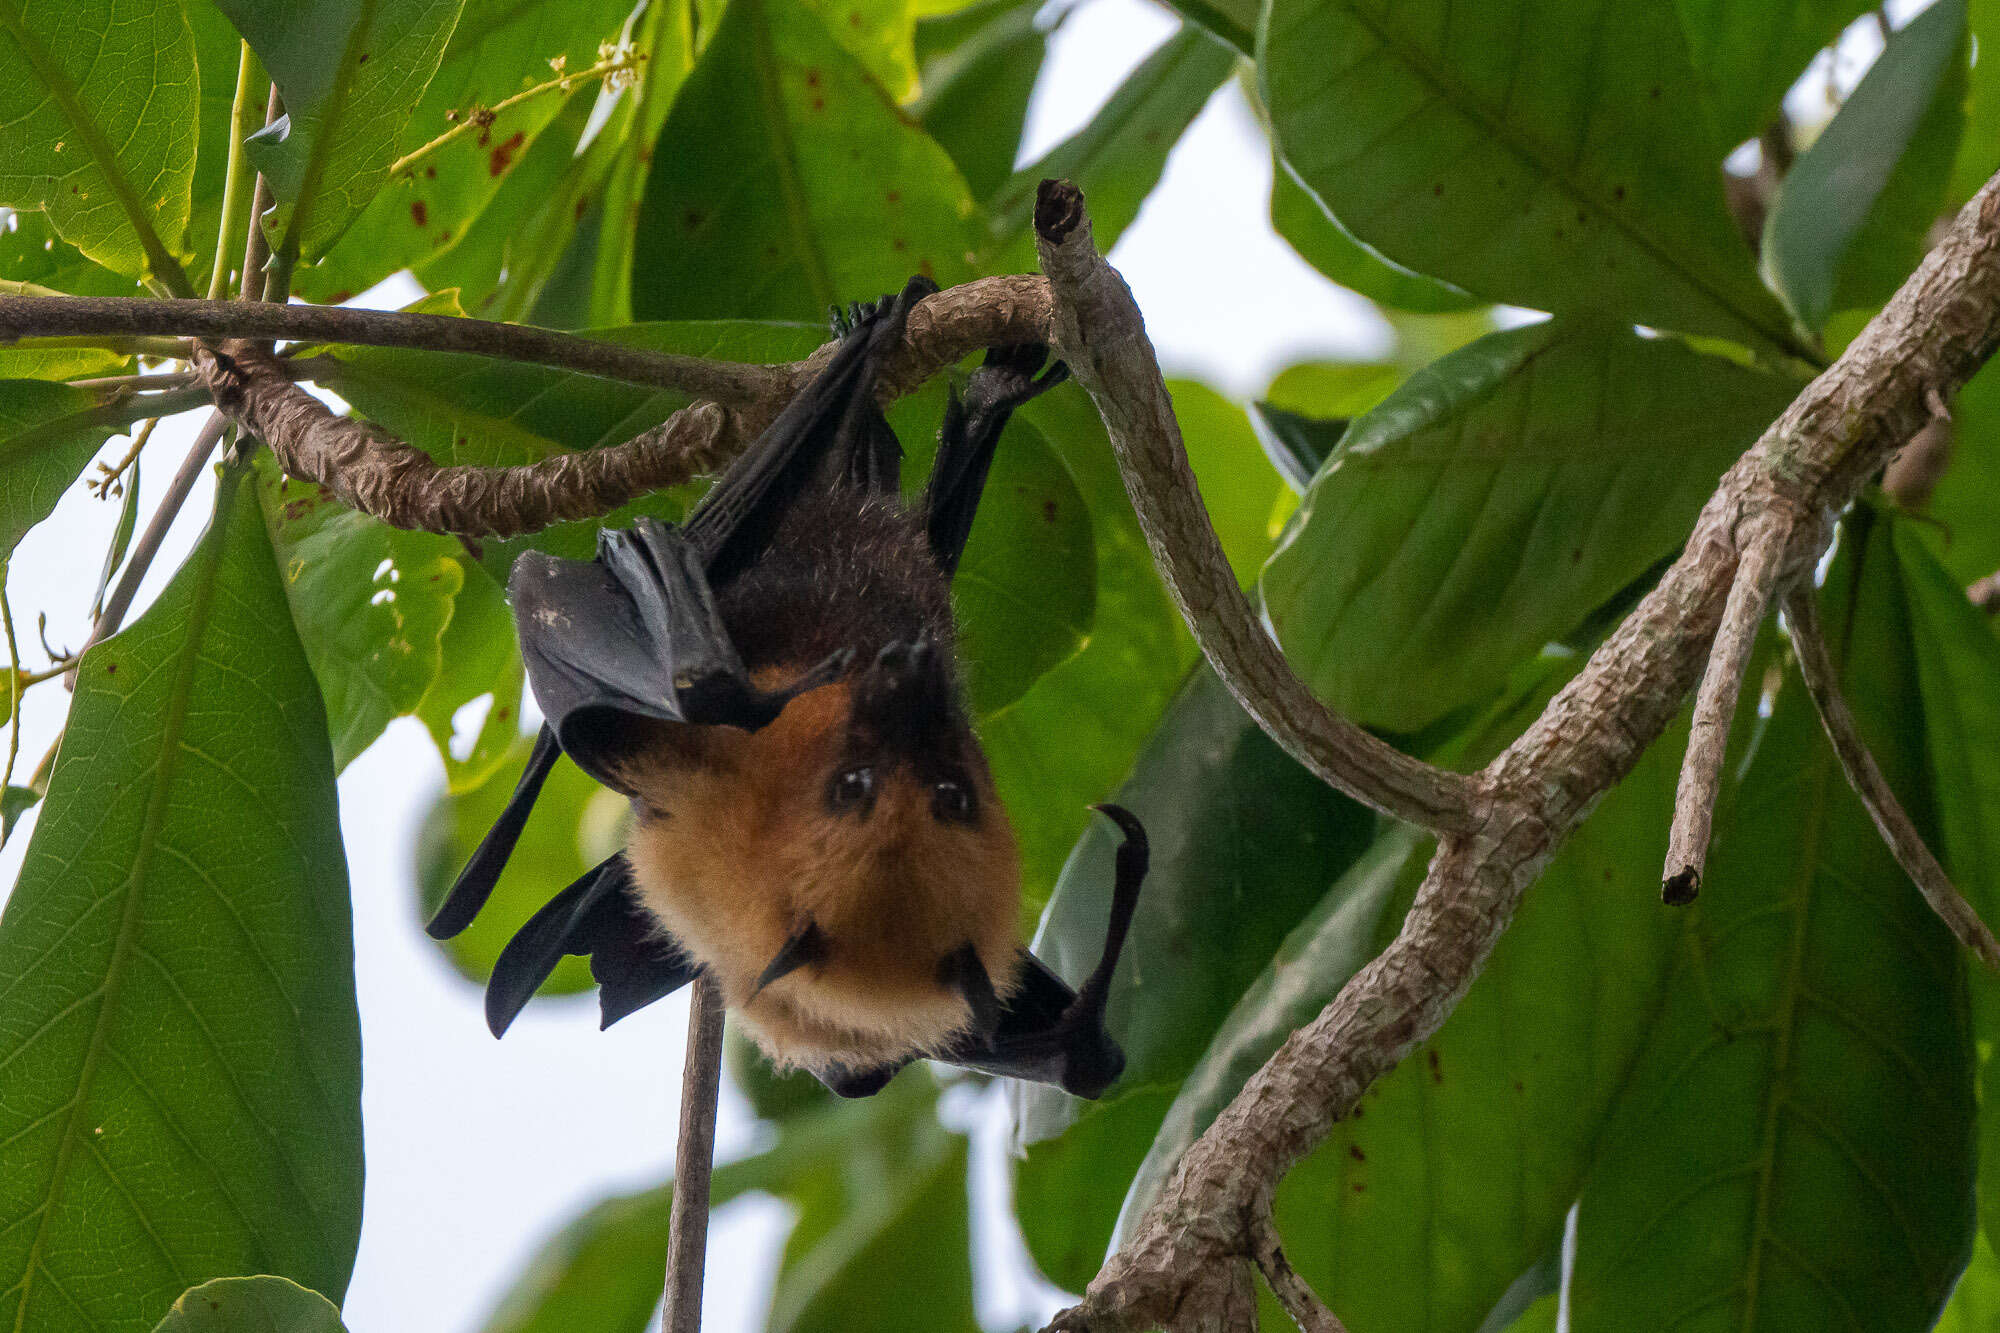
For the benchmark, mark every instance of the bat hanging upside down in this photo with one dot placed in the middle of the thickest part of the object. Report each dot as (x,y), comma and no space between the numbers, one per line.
(774,686)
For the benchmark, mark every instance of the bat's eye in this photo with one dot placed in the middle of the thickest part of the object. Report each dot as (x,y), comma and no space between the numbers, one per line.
(953,801)
(851,788)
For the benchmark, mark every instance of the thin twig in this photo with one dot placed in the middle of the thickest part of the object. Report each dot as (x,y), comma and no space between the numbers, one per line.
(480,118)
(694,1160)
(171,379)
(1301,1302)
(1714,709)
(1101,335)
(120,601)
(107,477)
(721,381)
(256,245)
(14,682)
(1865,776)
(236,181)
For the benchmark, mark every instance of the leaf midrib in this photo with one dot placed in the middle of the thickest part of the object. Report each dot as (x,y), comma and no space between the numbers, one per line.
(764,60)
(126,942)
(165,267)
(1464,103)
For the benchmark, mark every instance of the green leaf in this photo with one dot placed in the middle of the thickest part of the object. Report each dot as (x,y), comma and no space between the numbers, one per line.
(1492,501)
(786,182)
(1852,217)
(48,433)
(1975,1303)
(252,1305)
(371,604)
(1966,538)
(1324,243)
(53,363)
(1559,161)
(178,1024)
(1244,842)
(499,48)
(1072,737)
(666,33)
(1958,666)
(1117,158)
(576,825)
(1234,21)
(1238,483)
(97,113)
(880,35)
(351,73)
(978,68)
(478,659)
(1747,53)
(1979,146)
(15,802)
(1794,1146)
(1026,590)
(1519,1080)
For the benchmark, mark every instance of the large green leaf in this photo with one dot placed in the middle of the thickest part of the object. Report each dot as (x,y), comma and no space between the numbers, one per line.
(1746,53)
(979,67)
(576,824)
(1975,1303)
(1244,843)
(1117,158)
(178,1023)
(351,73)
(786,182)
(1794,1146)
(1329,247)
(371,604)
(48,432)
(1958,665)
(1495,499)
(251,1305)
(97,126)
(499,48)
(1026,590)
(666,34)
(478,659)
(1966,538)
(1979,146)
(1854,213)
(1554,156)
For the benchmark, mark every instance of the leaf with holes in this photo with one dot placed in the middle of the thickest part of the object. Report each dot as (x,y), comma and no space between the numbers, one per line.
(351,72)
(251,1305)
(371,604)
(1495,499)
(1558,160)
(1795,1144)
(793,183)
(1854,214)
(97,127)
(177,1020)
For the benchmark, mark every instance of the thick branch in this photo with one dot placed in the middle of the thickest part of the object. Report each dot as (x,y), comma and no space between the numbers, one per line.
(1921,348)
(1865,776)
(369,468)
(1099,331)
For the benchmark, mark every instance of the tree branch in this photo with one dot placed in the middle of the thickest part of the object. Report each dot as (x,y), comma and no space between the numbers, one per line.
(694,1160)
(1811,462)
(1750,592)
(1100,333)
(1865,776)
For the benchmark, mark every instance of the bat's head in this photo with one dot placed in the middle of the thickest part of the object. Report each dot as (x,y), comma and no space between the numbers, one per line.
(848,872)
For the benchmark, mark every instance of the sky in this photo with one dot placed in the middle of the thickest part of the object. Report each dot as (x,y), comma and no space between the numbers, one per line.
(478,1150)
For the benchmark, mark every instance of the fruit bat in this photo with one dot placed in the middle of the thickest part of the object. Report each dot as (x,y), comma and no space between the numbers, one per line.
(773,685)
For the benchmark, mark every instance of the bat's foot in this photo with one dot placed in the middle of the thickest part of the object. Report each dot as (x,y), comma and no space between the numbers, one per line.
(863,313)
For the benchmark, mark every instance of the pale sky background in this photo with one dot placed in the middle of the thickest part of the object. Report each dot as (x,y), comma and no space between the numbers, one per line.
(479,1150)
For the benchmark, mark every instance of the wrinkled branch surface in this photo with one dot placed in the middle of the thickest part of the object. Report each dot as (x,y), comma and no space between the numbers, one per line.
(1809,464)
